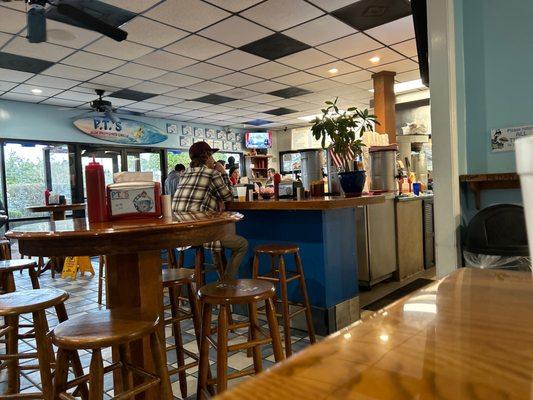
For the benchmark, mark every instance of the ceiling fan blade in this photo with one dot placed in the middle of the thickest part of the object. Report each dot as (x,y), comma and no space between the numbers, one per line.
(109,114)
(90,22)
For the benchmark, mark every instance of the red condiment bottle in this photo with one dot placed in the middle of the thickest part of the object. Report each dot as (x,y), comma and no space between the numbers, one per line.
(47,197)
(277,181)
(96,192)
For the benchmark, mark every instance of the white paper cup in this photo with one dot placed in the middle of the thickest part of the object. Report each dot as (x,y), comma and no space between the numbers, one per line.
(524,168)
(241,193)
(166,205)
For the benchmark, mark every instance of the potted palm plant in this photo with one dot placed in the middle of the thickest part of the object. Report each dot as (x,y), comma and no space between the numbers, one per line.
(345,129)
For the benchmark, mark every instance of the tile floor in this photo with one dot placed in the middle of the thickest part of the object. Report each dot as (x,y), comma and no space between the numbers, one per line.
(83,298)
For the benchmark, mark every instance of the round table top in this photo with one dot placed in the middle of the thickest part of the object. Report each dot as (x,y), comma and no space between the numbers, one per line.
(57,207)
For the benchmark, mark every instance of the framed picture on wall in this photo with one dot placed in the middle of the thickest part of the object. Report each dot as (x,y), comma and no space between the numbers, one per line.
(172,129)
(237,147)
(185,141)
(197,139)
(218,144)
(186,130)
(238,137)
(227,145)
(231,136)
(210,143)
(210,134)
(221,135)
(199,132)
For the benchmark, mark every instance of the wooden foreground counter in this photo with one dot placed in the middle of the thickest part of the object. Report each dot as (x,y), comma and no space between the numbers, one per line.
(313,203)
(467,336)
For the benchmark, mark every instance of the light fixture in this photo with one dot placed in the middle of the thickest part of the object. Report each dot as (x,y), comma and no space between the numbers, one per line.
(333,71)
(36,91)
(384,337)
(408,86)
(375,60)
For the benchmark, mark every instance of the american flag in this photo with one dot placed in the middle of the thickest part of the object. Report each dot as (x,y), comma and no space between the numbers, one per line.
(338,160)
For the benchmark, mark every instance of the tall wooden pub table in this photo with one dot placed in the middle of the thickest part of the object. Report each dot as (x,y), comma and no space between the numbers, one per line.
(133,250)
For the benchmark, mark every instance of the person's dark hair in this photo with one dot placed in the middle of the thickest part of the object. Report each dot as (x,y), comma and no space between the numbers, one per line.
(273,170)
(222,162)
(231,160)
(232,170)
(200,160)
(179,167)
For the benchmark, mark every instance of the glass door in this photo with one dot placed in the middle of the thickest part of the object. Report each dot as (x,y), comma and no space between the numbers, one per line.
(145,161)
(110,159)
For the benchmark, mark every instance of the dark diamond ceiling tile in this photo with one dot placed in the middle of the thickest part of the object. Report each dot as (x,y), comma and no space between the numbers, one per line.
(23,64)
(214,99)
(274,46)
(132,95)
(367,14)
(289,92)
(258,122)
(280,111)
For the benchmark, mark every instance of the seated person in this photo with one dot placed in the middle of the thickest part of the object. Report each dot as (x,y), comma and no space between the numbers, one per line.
(234,175)
(270,177)
(201,187)
(171,183)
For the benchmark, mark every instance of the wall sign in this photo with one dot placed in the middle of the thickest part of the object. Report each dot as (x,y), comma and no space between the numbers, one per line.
(503,139)
(125,131)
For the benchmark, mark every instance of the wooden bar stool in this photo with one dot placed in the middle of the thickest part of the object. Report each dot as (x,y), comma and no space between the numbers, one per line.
(174,280)
(5,249)
(110,328)
(224,294)
(7,280)
(12,305)
(101,277)
(280,275)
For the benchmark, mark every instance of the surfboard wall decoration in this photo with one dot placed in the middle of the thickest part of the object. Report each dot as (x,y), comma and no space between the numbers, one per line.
(125,131)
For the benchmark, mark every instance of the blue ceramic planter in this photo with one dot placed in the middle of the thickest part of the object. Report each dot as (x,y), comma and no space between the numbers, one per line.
(352,183)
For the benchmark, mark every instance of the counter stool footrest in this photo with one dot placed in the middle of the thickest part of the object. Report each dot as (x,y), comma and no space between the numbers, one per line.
(249,345)
(234,375)
(185,367)
(22,396)
(291,276)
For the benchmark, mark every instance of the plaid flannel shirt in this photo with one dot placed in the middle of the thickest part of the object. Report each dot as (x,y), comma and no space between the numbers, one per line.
(200,189)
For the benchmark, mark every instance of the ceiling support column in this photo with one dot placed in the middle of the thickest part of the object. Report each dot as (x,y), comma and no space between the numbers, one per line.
(385,103)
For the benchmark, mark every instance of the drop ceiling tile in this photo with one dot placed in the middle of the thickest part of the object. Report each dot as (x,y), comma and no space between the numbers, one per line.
(394,32)
(281,14)
(306,59)
(197,113)
(115,80)
(270,70)
(165,60)
(193,105)
(341,66)
(70,72)
(320,30)
(151,87)
(239,112)
(407,48)
(353,77)
(5,86)
(137,6)
(214,99)
(274,46)
(234,5)
(44,51)
(284,103)
(123,50)
(263,98)
(209,87)
(92,61)
(152,33)
(130,94)
(408,76)
(266,86)
(144,105)
(238,93)
(236,31)
(222,117)
(197,47)
(238,79)
(350,46)
(257,108)
(14,76)
(28,98)
(239,104)
(398,66)
(366,14)
(258,122)
(321,85)
(118,102)
(330,5)
(77,96)
(143,72)
(173,110)
(62,103)
(27,89)
(89,87)
(205,71)
(164,100)
(157,114)
(52,82)
(4,37)
(366,85)
(237,60)
(178,80)
(386,56)
(185,94)
(191,15)
(289,92)
(298,78)
(12,21)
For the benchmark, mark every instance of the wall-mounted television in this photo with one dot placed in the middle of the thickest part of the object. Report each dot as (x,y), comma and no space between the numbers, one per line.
(258,140)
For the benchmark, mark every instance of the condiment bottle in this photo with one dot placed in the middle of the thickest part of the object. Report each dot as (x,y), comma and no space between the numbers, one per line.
(47,196)
(277,181)
(96,192)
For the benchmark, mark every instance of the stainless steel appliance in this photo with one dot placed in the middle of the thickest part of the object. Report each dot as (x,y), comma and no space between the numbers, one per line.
(383,169)
(334,184)
(312,166)
(429,232)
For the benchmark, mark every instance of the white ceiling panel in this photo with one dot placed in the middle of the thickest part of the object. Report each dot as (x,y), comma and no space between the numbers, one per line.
(261,107)
(320,30)
(172,110)
(70,72)
(408,76)
(28,98)
(142,72)
(282,14)
(137,6)
(350,46)
(227,32)
(298,78)
(62,103)
(198,113)
(77,96)
(210,87)
(266,86)
(12,21)
(205,71)
(198,47)
(331,5)
(118,102)
(237,60)
(152,33)
(366,85)
(123,50)
(151,87)
(394,32)
(185,94)
(234,5)
(193,105)
(43,51)
(238,79)
(284,103)
(306,59)
(270,70)
(68,35)
(14,76)
(92,61)
(238,93)
(27,89)
(239,112)
(385,55)
(165,60)
(5,86)
(178,80)
(341,66)
(143,105)
(321,85)
(191,15)
(239,103)
(52,82)
(353,77)
(116,81)
(407,48)
(89,87)
(398,66)
(164,100)
(264,98)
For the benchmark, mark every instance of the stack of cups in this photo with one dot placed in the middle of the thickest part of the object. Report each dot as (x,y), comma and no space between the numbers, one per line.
(524,167)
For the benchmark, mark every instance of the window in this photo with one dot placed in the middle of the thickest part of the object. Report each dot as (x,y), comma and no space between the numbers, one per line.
(178,157)
(145,162)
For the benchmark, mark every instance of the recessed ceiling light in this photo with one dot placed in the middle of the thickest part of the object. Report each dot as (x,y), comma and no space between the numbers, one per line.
(406,86)
(375,60)
(36,91)
(333,70)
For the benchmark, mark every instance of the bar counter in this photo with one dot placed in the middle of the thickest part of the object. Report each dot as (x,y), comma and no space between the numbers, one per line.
(467,336)
(313,203)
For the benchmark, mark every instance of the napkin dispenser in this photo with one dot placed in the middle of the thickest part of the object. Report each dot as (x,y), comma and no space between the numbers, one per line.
(134,200)
(287,189)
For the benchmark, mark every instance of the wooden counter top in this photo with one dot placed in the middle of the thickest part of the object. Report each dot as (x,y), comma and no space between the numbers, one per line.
(313,203)
(467,336)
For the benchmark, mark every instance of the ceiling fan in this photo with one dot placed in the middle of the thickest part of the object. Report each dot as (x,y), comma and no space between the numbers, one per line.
(93,15)
(104,109)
